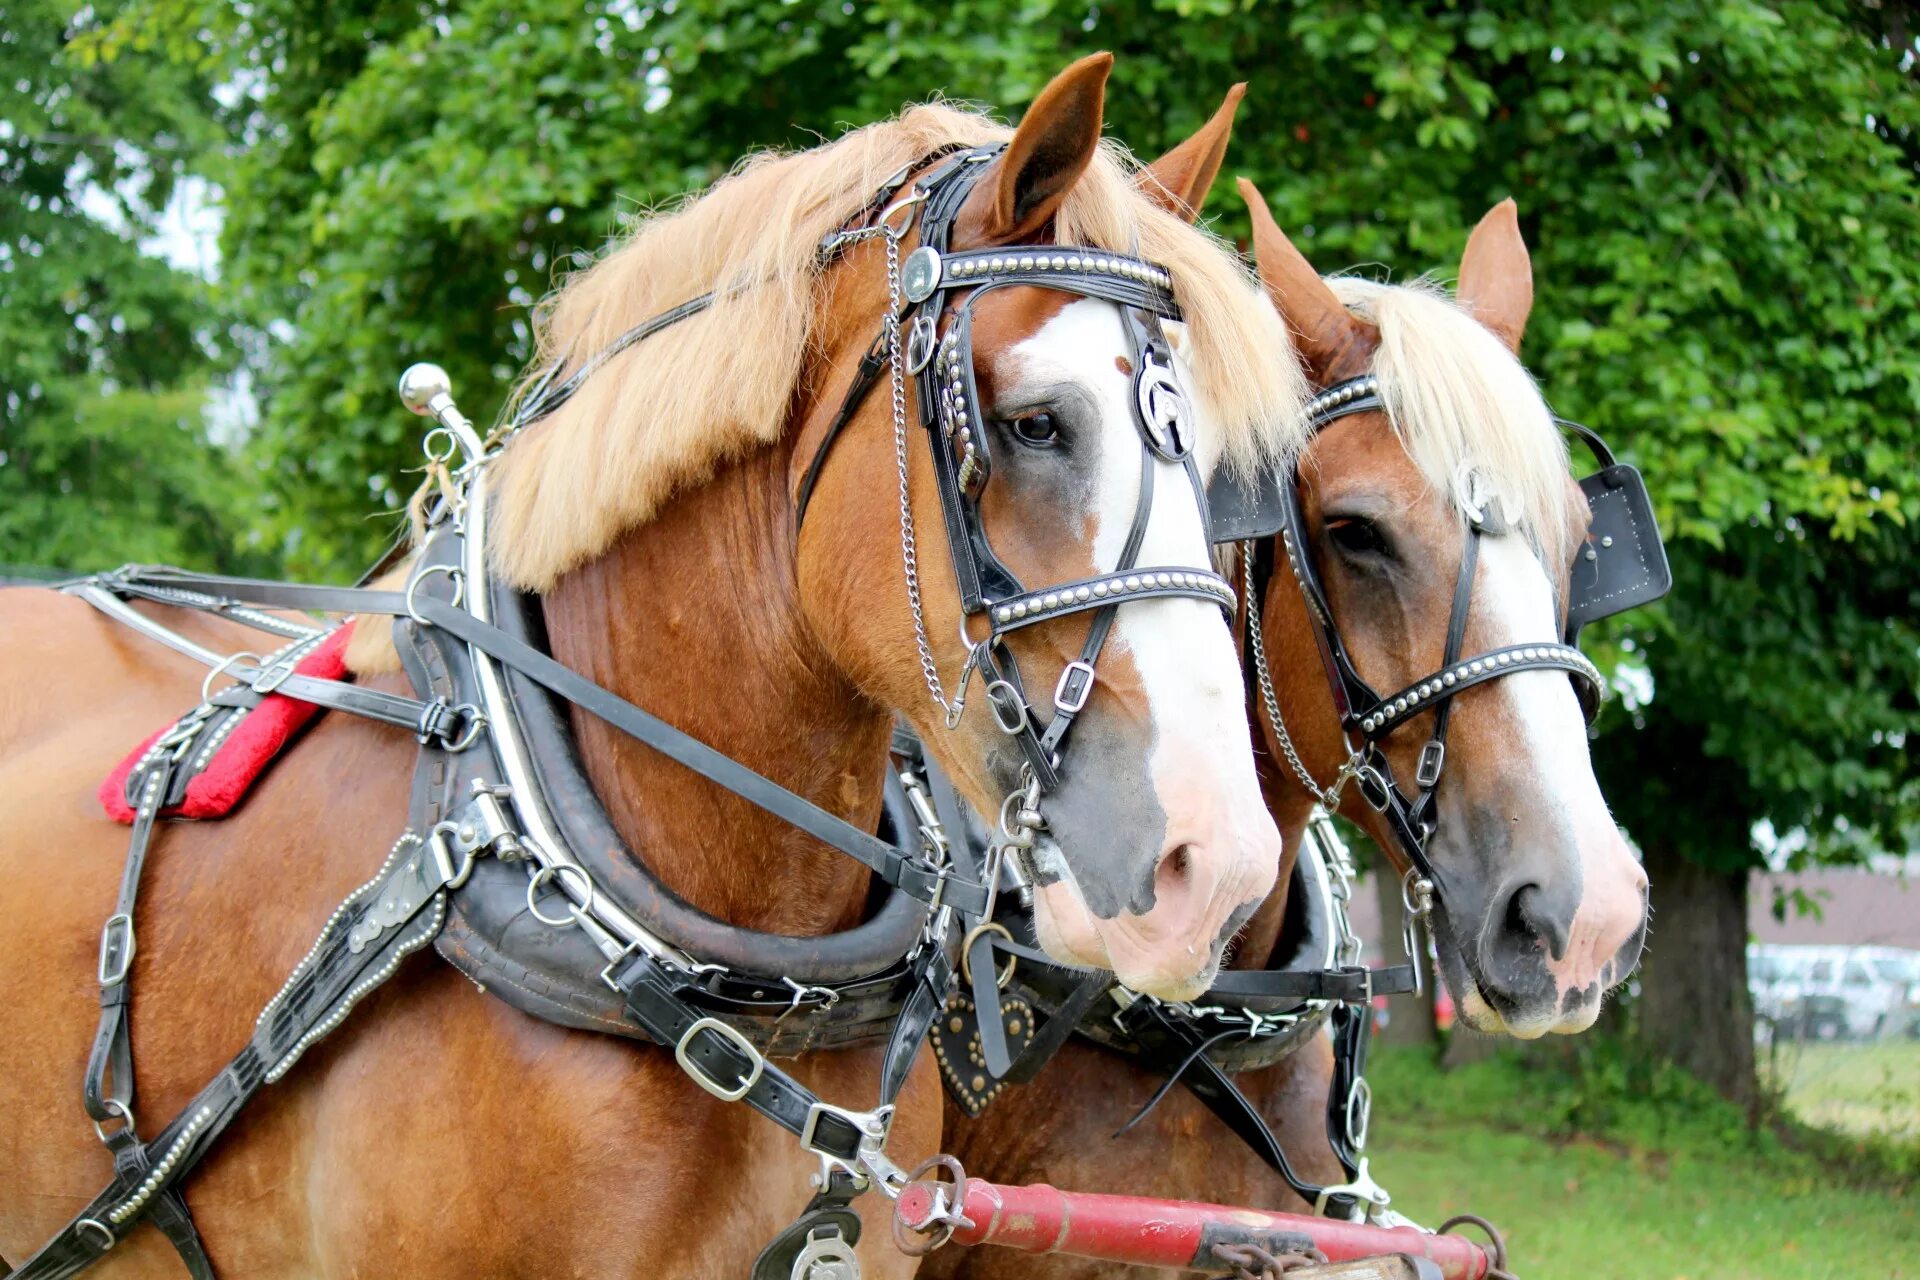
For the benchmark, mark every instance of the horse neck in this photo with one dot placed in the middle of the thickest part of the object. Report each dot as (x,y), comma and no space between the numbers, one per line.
(693,616)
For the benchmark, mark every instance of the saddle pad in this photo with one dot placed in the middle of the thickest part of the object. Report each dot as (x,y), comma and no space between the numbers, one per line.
(248,749)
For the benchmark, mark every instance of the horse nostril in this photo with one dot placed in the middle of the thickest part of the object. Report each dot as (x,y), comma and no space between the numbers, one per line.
(1174,873)
(1530,919)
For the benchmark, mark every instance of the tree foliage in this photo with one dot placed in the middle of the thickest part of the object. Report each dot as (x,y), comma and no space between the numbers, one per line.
(109,351)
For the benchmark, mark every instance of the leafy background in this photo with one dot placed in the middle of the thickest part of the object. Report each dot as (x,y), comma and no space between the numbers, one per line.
(1720,194)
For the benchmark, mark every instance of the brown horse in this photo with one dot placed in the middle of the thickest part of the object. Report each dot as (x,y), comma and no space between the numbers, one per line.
(440,1132)
(1545,906)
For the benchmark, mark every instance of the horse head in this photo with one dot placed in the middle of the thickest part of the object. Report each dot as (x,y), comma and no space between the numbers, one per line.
(1438,526)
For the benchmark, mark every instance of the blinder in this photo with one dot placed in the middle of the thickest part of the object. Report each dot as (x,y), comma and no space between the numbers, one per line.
(1623,563)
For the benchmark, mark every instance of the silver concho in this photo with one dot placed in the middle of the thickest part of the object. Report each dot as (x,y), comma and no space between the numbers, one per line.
(1163,410)
(920,274)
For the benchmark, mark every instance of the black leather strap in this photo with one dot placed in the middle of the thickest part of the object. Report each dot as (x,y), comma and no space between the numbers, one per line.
(896,866)
(1181,1048)
(722,1060)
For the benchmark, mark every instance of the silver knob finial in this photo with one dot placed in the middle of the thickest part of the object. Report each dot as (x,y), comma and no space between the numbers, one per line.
(421,385)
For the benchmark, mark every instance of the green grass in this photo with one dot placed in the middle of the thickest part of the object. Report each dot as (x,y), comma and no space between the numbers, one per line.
(1627,1172)
(1855,1088)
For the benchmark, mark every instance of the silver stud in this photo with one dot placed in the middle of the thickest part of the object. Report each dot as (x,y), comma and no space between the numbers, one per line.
(1164,579)
(1059,262)
(1505,659)
(1133,582)
(1083,594)
(1051,600)
(1592,554)
(1100,589)
(1606,541)
(1477,667)
(1448,679)
(1003,614)
(1073,261)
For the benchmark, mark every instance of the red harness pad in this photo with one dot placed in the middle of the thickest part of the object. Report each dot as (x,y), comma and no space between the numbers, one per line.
(262,732)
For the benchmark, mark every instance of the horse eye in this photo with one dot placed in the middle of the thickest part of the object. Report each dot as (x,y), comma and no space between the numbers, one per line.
(1357,536)
(1035,430)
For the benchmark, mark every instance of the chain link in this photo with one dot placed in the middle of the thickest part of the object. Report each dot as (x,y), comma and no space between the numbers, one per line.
(1329,797)
(909,549)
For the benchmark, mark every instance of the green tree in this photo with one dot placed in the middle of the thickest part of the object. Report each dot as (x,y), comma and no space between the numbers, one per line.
(104,455)
(1721,196)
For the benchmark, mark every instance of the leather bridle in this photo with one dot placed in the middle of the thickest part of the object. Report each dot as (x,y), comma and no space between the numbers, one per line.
(937,291)
(1368,719)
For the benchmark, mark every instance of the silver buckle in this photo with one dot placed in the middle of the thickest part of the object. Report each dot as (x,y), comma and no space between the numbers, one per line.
(121,960)
(1009,708)
(872,1126)
(1069,697)
(1433,757)
(707,1082)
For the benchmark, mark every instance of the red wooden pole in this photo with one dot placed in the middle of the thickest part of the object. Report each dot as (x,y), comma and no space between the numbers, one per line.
(1178,1234)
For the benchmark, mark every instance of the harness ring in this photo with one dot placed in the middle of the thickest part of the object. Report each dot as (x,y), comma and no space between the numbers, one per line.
(206,685)
(547,875)
(459,588)
(966,950)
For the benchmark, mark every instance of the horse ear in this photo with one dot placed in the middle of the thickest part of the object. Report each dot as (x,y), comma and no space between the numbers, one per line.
(1496,276)
(1325,332)
(1050,150)
(1179,180)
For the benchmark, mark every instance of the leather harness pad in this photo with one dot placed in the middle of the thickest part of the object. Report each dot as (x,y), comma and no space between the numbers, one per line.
(956,1046)
(231,749)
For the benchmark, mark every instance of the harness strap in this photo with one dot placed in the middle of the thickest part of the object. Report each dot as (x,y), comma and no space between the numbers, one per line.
(346,962)
(897,867)
(1173,1042)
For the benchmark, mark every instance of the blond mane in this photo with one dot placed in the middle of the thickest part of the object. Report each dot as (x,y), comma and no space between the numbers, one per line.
(1460,402)
(660,417)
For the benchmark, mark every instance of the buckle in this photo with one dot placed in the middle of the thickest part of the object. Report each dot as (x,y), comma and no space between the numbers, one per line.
(270,678)
(1075,686)
(869,1130)
(1373,787)
(116,949)
(700,1077)
(1009,708)
(1433,757)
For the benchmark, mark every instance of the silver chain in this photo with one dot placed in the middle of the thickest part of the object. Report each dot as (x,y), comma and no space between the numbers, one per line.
(909,550)
(1329,797)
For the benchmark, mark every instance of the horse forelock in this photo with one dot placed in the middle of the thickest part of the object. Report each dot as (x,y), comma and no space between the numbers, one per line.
(1465,409)
(660,417)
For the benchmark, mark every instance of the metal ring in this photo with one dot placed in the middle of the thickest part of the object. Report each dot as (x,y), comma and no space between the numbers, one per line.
(943,1223)
(476,721)
(105,1231)
(966,951)
(1360,1099)
(459,588)
(114,1107)
(426,445)
(907,203)
(207,684)
(547,874)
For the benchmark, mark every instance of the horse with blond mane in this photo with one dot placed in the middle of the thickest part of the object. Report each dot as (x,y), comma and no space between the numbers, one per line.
(1430,526)
(641,522)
